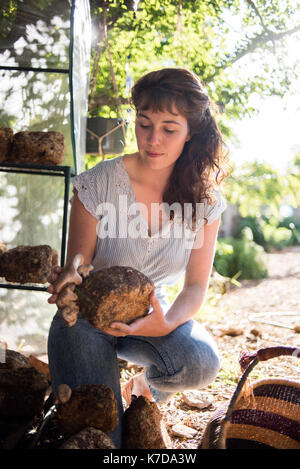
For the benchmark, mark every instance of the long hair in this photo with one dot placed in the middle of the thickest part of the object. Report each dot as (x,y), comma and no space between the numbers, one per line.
(203,162)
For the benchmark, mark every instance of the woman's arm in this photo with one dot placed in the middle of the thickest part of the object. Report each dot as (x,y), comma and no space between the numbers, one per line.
(197,276)
(82,232)
(190,299)
(82,239)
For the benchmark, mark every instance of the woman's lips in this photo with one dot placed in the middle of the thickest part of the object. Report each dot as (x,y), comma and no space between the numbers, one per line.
(153,154)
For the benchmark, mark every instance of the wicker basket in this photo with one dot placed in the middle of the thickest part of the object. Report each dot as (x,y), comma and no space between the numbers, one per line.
(263,415)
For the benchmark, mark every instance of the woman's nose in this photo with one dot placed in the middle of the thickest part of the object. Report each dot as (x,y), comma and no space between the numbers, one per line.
(154,137)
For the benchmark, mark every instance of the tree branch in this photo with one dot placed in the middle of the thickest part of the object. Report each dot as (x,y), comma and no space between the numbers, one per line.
(96,64)
(179,18)
(113,76)
(104,100)
(259,41)
(253,6)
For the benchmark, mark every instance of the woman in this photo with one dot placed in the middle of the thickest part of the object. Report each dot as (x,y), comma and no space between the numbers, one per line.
(179,163)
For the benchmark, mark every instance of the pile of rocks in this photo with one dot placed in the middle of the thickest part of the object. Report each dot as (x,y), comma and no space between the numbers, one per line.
(82,422)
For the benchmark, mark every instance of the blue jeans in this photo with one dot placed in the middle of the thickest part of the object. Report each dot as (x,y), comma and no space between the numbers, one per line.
(187,358)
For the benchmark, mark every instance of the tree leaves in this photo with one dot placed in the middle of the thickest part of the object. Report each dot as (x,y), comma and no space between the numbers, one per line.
(214,40)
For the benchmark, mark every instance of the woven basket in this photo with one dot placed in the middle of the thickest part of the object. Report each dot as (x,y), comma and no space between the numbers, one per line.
(263,415)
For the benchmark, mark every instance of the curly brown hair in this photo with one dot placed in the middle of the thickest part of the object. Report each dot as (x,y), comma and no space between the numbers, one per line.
(203,163)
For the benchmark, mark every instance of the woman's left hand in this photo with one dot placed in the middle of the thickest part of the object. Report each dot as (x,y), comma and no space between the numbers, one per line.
(152,325)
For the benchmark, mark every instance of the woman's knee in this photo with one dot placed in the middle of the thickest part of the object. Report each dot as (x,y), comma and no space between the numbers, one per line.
(79,340)
(204,366)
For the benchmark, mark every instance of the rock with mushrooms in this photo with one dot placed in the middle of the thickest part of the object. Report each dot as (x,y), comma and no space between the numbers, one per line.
(116,293)
(89,406)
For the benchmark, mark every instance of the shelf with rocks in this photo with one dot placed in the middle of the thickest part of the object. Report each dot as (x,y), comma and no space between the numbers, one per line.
(26,266)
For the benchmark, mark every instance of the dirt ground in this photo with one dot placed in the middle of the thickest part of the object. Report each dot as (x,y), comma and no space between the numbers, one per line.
(242,310)
(237,321)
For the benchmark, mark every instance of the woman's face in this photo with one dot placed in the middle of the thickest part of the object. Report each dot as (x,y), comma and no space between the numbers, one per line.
(160,137)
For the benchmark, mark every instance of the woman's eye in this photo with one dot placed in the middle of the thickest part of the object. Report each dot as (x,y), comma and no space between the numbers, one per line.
(144,126)
(169,131)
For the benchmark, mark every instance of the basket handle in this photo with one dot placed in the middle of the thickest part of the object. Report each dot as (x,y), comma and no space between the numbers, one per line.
(248,361)
(267,353)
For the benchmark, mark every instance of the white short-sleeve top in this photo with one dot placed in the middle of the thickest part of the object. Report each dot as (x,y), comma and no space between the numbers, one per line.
(123,238)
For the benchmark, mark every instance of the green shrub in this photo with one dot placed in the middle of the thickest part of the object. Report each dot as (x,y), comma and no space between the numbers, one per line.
(271,233)
(241,256)
(277,238)
(255,224)
(293,224)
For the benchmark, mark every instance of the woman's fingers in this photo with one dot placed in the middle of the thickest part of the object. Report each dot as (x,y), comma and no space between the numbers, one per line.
(118,329)
(120,326)
(155,303)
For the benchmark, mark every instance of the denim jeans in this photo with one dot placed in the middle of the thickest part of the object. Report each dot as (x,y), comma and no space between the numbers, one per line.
(187,358)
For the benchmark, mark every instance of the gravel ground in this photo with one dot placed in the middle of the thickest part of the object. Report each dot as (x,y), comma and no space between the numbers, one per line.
(236,313)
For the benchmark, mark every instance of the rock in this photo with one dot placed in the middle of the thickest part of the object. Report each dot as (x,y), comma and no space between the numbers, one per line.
(91,405)
(183,431)
(232,331)
(6,139)
(43,148)
(28,264)
(116,293)
(143,427)
(14,360)
(40,366)
(89,438)
(195,399)
(297,329)
(22,388)
(256,332)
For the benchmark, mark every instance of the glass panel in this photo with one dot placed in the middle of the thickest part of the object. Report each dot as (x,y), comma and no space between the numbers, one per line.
(31,209)
(31,213)
(80,76)
(36,102)
(35,33)
(25,317)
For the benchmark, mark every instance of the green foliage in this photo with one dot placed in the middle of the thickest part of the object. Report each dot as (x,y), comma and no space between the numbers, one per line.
(293,224)
(255,224)
(210,38)
(257,189)
(277,237)
(272,233)
(240,256)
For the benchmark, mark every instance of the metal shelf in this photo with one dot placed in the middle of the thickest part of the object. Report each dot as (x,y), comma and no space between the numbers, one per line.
(59,171)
